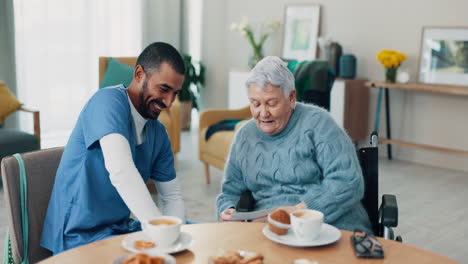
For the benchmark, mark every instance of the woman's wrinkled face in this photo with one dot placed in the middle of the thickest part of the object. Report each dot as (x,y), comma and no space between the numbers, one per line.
(270,108)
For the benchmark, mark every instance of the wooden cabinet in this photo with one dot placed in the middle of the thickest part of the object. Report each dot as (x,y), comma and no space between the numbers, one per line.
(349,106)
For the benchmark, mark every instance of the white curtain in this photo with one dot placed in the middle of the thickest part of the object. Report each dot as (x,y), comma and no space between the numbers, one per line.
(58,43)
(7,51)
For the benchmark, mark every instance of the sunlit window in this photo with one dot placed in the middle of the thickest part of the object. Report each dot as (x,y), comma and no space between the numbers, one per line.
(57,48)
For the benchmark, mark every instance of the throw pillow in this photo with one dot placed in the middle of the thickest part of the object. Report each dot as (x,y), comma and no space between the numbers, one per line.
(8,102)
(117,73)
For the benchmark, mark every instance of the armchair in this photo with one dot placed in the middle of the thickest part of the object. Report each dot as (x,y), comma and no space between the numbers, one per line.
(215,151)
(13,140)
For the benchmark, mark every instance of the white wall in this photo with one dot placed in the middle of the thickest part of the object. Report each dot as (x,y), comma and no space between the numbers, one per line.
(161,22)
(363,28)
(213,53)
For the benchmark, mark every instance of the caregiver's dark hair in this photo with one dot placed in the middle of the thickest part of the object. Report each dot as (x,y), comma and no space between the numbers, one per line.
(156,53)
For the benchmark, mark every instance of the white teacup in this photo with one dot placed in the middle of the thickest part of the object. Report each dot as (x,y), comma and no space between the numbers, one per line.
(306,223)
(163,230)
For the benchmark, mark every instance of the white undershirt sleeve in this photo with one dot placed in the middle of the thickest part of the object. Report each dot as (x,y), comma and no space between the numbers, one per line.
(125,177)
(171,198)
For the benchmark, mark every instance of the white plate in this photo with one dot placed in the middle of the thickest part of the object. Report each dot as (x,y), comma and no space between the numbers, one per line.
(181,244)
(328,235)
(168,259)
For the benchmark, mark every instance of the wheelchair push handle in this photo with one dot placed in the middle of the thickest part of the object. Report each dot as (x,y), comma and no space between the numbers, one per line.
(374,139)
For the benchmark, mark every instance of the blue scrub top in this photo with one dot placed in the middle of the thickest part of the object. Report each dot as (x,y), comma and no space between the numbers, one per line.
(84,205)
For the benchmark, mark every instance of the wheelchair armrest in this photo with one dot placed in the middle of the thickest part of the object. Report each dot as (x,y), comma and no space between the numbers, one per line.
(388,211)
(246,202)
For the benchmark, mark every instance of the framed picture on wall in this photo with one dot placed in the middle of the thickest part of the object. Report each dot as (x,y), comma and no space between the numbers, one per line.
(301,29)
(443,56)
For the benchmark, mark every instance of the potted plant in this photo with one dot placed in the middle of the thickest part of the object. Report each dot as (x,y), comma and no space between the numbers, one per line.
(257,44)
(190,92)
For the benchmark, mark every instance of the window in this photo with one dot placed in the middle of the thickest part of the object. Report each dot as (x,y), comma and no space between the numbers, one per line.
(57,48)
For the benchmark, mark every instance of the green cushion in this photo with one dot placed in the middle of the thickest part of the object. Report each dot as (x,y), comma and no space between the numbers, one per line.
(310,75)
(117,73)
(14,141)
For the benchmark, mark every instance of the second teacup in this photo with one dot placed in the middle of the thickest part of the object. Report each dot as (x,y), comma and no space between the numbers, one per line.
(306,223)
(163,230)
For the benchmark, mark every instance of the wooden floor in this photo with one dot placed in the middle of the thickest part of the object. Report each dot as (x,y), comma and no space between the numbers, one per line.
(432,202)
(433,213)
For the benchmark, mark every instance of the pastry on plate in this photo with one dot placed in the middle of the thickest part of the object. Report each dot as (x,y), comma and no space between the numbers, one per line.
(143,244)
(279,222)
(143,259)
(235,257)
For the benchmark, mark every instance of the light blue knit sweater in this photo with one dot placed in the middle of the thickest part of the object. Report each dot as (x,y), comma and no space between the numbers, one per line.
(312,161)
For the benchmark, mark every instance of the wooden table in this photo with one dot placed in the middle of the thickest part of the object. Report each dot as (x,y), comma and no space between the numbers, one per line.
(419,87)
(211,239)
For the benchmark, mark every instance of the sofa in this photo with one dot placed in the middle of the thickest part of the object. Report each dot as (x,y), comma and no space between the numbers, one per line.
(171,118)
(214,151)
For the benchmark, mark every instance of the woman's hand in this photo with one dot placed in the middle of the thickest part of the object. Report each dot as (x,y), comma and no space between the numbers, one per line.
(226,215)
(290,209)
(261,219)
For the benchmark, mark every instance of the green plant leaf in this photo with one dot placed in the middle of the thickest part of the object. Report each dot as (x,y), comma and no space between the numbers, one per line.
(193,78)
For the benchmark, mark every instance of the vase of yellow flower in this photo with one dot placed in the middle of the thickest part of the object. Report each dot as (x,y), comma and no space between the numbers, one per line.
(391,60)
(257,46)
(390,74)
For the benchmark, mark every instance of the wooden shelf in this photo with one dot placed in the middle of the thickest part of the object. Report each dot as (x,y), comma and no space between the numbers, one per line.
(422,87)
(424,147)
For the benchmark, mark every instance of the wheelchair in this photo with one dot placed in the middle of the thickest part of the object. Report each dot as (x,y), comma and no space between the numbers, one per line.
(384,218)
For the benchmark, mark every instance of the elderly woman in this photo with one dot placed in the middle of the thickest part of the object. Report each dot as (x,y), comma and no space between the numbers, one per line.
(292,155)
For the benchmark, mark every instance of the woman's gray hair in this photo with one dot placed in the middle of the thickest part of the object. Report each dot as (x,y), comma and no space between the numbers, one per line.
(271,70)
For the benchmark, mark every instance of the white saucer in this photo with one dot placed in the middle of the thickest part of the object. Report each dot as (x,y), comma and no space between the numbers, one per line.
(168,259)
(329,234)
(181,244)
